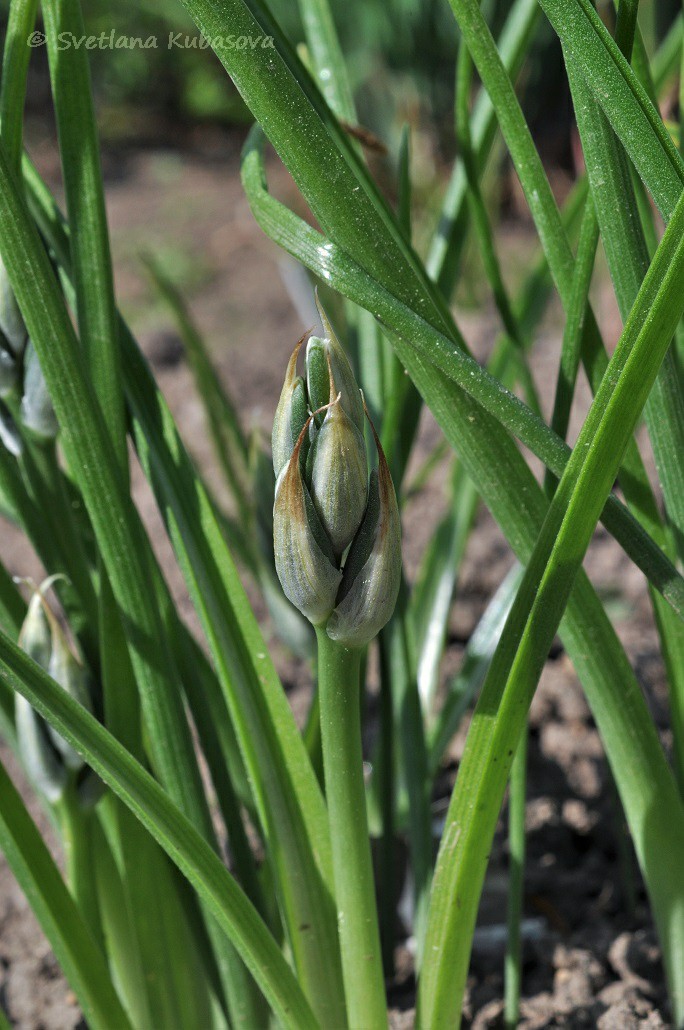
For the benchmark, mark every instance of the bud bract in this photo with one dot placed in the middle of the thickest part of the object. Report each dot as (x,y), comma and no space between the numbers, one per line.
(37,753)
(12,336)
(48,757)
(337,545)
(291,414)
(372,572)
(304,558)
(37,412)
(12,327)
(339,477)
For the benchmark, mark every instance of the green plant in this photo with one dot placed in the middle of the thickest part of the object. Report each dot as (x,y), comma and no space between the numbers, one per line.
(140,944)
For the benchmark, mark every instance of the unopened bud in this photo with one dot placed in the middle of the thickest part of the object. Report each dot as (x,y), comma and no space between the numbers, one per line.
(323,507)
(326,357)
(40,759)
(10,437)
(37,412)
(66,670)
(372,571)
(291,413)
(12,327)
(339,475)
(303,555)
(47,755)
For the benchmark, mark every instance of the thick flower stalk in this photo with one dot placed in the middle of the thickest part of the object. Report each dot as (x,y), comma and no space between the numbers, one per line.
(337,544)
(336,528)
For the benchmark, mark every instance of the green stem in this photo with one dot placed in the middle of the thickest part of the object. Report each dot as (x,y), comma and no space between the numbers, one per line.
(386,849)
(76,833)
(338,684)
(516,883)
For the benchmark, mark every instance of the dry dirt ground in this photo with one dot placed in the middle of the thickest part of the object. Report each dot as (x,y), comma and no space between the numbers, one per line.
(591,957)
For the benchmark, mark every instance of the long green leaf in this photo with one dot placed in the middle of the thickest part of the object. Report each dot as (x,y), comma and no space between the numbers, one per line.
(628,258)
(647,791)
(79,956)
(287,794)
(79,147)
(519,658)
(624,100)
(121,539)
(334,266)
(167,824)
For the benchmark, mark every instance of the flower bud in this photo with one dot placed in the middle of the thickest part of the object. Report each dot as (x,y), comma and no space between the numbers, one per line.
(9,434)
(12,327)
(66,670)
(291,413)
(325,358)
(37,753)
(304,558)
(12,336)
(323,508)
(47,755)
(37,412)
(372,571)
(9,369)
(339,476)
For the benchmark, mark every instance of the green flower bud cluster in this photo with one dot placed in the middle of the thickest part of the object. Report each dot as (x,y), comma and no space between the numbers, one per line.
(22,386)
(336,529)
(49,759)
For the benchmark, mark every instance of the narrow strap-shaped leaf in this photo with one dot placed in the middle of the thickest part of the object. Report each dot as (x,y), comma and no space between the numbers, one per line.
(79,148)
(15,60)
(121,538)
(79,956)
(229,441)
(503,479)
(288,796)
(446,246)
(624,100)
(628,258)
(336,267)
(528,634)
(167,824)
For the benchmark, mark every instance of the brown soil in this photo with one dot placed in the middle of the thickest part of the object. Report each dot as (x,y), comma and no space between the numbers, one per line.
(591,958)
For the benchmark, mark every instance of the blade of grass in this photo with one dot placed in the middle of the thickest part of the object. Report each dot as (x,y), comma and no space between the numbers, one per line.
(287,794)
(82,175)
(503,479)
(476,660)
(15,61)
(628,260)
(228,439)
(446,246)
(431,598)
(624,100)
(334,266)
(40,880)
(167,824)
(121,539)
(516,884)
(524,645)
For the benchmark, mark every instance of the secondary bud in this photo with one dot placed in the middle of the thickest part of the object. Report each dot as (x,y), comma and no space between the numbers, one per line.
(37,753)
(372,572)
(66,670)
(48,757)
(37,412)
(339,477)
(304,558)
(12,336)
(291,413)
